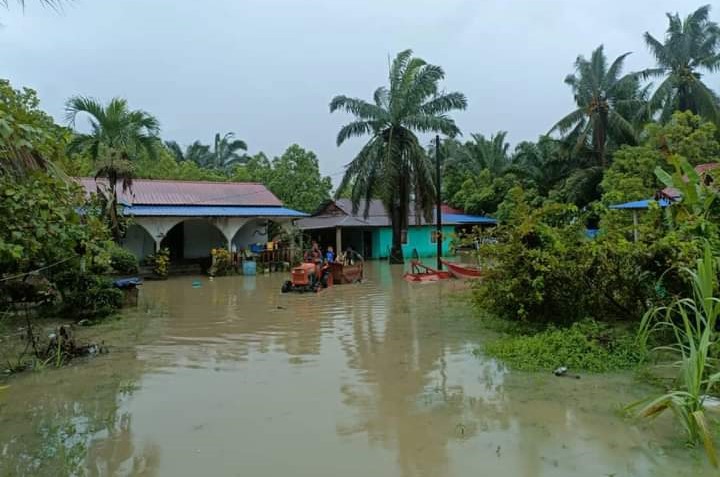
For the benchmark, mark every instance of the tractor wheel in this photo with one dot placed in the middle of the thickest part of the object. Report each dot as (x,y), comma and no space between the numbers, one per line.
(286,287)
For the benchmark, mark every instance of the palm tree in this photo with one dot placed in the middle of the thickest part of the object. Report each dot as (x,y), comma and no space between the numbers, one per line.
(491,154)
(47,3)
(117,136)
(603,99)
(392,164)
(196,152)
(225,151)
(690,46)
(544,163)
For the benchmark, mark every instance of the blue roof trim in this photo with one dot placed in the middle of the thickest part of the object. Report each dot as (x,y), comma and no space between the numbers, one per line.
(209,211)
(641,204)
(468,219)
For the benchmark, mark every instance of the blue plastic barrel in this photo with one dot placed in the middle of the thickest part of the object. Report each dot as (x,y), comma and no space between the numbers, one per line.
(249,268)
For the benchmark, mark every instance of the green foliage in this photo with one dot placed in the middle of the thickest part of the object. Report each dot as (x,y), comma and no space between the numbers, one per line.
(393,164)
(29,138)
(39,224)
(122,261)
(293,177)
(685,137)
(118,137)
(693,322)
(690,47)
(160,262)
(604,98)
(586,345)
(481,194)
(543,268)
(631,175)
(86,295)
(221,262)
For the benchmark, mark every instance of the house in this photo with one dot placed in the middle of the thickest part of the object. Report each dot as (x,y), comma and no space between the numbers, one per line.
(334,223)
(665,197)
(192,217)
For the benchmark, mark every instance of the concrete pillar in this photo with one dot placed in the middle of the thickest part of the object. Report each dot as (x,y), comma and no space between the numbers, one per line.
(338,240)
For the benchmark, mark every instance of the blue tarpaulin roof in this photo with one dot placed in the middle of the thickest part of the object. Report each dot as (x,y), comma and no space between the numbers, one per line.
(641,204)
(209,211)
(468,219)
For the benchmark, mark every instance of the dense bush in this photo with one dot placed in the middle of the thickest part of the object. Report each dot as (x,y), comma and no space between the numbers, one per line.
(586,345)
(543,268)
(123,261)
(87,295)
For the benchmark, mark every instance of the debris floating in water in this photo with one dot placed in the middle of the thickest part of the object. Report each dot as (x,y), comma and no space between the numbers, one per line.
(196,284)
(562,371)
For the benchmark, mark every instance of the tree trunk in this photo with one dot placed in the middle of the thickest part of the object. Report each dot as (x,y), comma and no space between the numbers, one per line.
(112,209)
(396,255)
(600,139)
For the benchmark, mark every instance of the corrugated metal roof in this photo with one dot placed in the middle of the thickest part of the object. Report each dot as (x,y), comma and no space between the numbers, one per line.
(377,217)
(209,211)
(641,204)
(166,192)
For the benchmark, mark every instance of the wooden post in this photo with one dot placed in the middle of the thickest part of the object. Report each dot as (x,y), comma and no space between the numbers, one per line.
(338,240)
(635,226)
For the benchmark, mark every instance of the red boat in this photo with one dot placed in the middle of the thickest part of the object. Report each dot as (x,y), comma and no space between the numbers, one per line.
(422,273)
(463,270)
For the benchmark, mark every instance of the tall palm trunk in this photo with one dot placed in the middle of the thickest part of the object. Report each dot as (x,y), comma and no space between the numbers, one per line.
(600,138)
(113,208)
(399,219)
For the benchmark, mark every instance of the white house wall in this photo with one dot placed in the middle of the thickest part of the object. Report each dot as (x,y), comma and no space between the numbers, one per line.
(200,234)
(138,241)
(254,231)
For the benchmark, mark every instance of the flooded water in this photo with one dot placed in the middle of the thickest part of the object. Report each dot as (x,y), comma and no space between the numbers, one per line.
(376,379)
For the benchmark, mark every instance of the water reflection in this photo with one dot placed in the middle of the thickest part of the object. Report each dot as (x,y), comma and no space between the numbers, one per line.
(374,379)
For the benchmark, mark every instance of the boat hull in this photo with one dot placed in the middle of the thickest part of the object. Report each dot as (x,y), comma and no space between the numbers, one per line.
(463,271)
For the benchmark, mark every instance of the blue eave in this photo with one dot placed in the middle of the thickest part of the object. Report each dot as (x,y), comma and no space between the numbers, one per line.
(209,211)
(641,204)
(468,219)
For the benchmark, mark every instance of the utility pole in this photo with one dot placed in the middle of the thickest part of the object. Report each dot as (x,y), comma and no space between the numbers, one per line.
(438,205)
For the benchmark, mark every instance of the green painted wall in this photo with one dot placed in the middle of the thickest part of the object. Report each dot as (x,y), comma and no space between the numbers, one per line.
(418,238)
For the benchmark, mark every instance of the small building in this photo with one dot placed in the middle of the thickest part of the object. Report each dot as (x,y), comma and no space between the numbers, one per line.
(191,218)
(335,224)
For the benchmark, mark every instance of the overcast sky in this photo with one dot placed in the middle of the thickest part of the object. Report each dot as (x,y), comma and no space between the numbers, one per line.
(267,69)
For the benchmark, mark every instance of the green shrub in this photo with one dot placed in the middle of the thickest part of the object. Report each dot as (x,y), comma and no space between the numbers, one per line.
(86,295)
(544,269)
(123,261)
(585,345)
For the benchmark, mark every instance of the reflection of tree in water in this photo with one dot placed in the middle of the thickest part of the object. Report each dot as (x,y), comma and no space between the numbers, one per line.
(404,399)
(71,421)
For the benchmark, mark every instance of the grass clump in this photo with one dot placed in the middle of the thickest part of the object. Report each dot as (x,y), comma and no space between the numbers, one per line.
(585,345)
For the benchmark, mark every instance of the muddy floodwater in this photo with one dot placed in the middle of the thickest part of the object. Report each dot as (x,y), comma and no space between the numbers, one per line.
(377,379)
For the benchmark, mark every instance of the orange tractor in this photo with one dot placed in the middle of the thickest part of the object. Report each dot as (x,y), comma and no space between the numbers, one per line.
(308,277)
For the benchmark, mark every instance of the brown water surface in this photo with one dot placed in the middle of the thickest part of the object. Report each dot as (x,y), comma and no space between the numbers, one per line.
(376,379)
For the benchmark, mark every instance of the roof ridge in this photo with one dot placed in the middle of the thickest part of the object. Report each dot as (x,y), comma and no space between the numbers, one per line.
(184,181)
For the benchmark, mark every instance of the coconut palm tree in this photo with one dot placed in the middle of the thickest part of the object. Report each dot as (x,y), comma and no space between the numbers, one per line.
(117,136)
(691,46)
(393,164)
(196,152)
(225,151)
(602,96)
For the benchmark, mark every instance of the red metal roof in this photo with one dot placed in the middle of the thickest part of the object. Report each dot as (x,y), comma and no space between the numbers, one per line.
(167,192)
(701,169)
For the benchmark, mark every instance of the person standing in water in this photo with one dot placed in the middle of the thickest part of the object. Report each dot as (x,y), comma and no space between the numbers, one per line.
(330,254)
